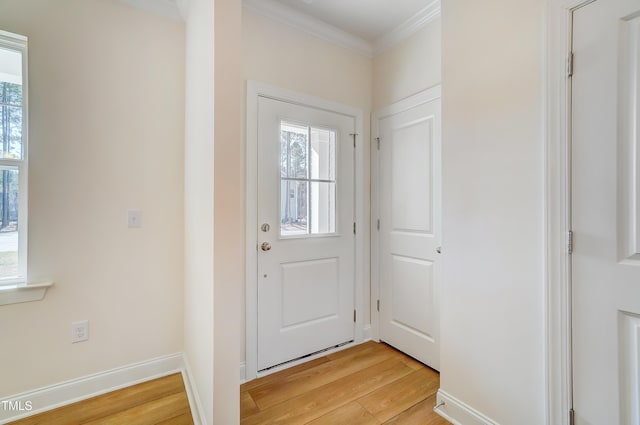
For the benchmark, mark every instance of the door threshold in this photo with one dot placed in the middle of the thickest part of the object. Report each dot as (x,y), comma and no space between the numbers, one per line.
(303,359)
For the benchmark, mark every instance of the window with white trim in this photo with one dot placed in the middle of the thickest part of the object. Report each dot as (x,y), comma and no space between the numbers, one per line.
(13,159)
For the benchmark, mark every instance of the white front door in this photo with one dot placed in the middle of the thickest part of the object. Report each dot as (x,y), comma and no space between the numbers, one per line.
(305,230)
(409,232)
(606,213)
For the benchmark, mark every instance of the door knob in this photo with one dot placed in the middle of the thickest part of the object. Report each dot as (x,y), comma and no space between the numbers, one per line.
(439,250)
(266,246)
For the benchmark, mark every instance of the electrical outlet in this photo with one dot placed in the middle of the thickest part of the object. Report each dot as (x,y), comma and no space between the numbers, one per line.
(134,218)
(79,331)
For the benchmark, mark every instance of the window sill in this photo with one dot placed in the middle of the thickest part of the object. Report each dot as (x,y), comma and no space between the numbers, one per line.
(22,293)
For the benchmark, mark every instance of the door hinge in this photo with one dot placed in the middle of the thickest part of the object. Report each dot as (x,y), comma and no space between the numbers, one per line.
(570,64)
(378,224)
(572,417)
(354,316)
(378,142)
(354,227)
(378,305)
(570,242)
(354,138)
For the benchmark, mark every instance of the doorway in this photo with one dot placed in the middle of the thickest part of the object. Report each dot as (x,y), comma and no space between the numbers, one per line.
(605,212)
(407,230)
(306,242)
(304,198)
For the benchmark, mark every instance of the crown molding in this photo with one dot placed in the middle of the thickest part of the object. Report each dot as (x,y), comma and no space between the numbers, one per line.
(166,8)
(408,27)
(310,25)
(176,9)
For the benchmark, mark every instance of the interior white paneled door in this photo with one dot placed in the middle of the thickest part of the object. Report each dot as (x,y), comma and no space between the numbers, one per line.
(305,231)
(409,239)
(606,212)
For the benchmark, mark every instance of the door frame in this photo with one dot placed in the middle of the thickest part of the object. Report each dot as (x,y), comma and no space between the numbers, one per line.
(255,90)
(557,116)
(410,102)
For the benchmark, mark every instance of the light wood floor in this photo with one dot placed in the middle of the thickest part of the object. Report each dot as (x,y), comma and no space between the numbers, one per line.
(161,401)
(365,385)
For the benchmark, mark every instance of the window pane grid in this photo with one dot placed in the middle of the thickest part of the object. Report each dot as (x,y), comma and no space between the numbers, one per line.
(9,221)
(308,183)
(11,117)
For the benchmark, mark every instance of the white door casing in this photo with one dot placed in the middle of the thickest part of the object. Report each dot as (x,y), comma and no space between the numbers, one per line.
(408,197)
(294,256)
(557,208)
(605,196)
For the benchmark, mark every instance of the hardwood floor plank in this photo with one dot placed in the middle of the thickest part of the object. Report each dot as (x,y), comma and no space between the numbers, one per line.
(349,414)
(419,414)
(311,405)
(148,413)
(357,348)
(393,399)
(344,389)
(278,391)
(108,404)
(184,418)
(248,407)
(411,362)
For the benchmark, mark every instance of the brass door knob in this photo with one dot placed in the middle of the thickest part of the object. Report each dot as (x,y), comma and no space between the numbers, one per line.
(266,246)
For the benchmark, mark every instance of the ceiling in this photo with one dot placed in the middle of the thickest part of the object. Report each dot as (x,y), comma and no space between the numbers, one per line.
(367,19)
(364,26)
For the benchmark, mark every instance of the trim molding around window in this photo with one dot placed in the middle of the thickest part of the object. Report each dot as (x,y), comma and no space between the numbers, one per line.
(14,159)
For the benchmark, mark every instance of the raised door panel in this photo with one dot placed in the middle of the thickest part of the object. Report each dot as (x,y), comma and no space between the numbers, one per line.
(411,177)
(310,292)
(629,140)
(412,295)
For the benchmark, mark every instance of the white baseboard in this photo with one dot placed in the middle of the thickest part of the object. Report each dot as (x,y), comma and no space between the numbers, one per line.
(459,413)
(243,372)
(197,412)
(64,393)
(367,333)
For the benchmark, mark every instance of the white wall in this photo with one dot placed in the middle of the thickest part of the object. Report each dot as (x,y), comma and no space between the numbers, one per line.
(106,132)
(229,211)
(492,294)
(408,67)
(281,56)
(199,201)
(285,57)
